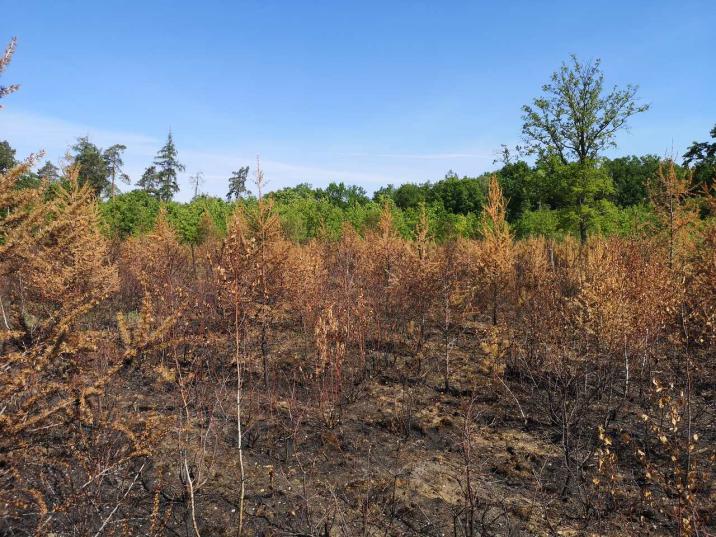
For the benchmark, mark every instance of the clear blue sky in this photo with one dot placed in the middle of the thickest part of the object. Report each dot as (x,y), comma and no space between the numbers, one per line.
(362,92)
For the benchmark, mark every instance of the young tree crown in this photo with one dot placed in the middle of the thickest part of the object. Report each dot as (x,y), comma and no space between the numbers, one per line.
(575,118)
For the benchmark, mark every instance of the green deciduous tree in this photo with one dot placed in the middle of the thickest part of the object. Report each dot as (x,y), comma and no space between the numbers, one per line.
(631,176)
(701,157)
(584,186)
(516,180)
(573,122)
(409,195)
(576,119)
(342,195)
(129,214)
(459,196)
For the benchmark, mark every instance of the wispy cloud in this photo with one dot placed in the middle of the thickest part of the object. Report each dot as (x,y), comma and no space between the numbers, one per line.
(30,132)
(218,165)
(424,156)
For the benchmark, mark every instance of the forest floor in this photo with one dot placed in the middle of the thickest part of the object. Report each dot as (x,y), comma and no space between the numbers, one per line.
(400,456)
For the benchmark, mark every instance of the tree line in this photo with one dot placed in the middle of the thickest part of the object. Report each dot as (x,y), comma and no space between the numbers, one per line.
(570,188)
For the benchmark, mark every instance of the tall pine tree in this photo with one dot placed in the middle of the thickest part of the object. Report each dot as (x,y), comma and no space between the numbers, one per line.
(113,159)
(149,182)
(168,168)
(7,157)
(92,166)
(237,183)
(49,172)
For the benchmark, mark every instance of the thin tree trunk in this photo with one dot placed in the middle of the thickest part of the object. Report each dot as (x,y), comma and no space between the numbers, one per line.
(193,261)
(494,303)
(264,353)
(239,434)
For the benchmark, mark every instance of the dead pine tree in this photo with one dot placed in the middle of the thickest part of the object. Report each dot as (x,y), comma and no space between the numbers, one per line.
(272,251)
(54,274)
(669,194)
(419,285)
(233,272)
(256,252)
(451,300)
(250,268)
(380,273)
(497,247)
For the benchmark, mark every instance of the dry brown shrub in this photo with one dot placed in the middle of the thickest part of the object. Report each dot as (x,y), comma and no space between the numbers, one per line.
(306,279)
(385,252)
(157,261)
(671,196)
(454,305)
(253,269)
(418,286)
(63,445)
(345,291)
(496,256)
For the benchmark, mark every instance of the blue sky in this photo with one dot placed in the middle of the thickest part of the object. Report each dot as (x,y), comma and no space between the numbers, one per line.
(362,92)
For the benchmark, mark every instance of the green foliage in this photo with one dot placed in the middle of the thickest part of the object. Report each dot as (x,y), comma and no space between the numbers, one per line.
(543,222)
(542,186)
(28,180)
(606,219)
(410,195)
(456,195)
(93,168)
(149,182)
(582,189)
(551,198)
(447,225)
(701,158)
(7,157)
(342,195)
(574,119)
(113,158)
(304,217)
(49,172)
(575,189)
(383,193)
(129,214)
(630,221)
(101,169)
(292,193)
(187,218)
(237,183)
(306,214)
(135,213)
(167,170)
(459,196)
(516,180)
(630,176)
